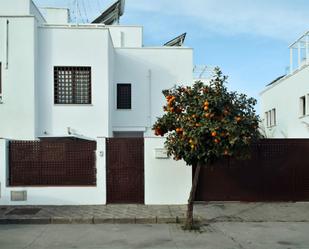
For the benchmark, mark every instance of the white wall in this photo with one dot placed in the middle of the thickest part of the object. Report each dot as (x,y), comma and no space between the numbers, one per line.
(111,69)
(34,10)
(74,47)
(149,70)
(284,96)
(18,109)
(166,181)
(56,15)
(14,7)
(126,36)
(56,195)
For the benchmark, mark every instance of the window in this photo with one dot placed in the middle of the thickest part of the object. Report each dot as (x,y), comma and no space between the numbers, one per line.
(273,116)
(72,85)
(271,119)
(123,96)
(267,119)
(302,106)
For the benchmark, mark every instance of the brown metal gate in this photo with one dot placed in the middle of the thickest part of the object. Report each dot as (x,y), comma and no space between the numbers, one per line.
(52,162)
(125,170)
(278,170)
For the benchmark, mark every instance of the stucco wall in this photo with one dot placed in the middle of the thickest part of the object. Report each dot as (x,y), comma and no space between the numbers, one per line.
(14,7)
(74,47)
(18,109)
(56,15)
(285,96)
(56,195)
(166,181)
(126,36)
(149,70)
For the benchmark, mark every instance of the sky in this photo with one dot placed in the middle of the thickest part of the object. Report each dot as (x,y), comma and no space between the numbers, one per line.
(247,39)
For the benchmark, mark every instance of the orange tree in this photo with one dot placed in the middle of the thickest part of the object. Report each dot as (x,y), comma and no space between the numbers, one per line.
(204,123)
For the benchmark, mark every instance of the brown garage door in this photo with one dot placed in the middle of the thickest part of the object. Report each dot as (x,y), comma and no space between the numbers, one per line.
(125,170)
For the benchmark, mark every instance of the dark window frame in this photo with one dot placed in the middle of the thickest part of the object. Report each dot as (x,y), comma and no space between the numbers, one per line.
(303,106)
(124,99)
(70,87)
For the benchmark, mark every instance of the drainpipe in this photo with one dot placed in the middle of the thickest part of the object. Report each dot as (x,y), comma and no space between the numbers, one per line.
(7,44)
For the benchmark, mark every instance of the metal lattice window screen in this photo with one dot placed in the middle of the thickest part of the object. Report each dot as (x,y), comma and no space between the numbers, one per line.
(124,96)
(72,85)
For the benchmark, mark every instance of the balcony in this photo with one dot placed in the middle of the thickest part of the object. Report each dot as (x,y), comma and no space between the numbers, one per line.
(299,53)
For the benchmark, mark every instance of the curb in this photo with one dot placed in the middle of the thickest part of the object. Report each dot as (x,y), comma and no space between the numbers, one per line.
(91,220)
(25,221)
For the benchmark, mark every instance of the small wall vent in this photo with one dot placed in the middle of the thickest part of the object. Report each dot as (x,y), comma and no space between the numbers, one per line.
(18,195)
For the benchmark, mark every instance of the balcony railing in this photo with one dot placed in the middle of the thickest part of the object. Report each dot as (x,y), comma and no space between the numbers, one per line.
(202,72)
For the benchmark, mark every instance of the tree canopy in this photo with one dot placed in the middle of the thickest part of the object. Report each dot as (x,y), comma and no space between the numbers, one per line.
(205,122)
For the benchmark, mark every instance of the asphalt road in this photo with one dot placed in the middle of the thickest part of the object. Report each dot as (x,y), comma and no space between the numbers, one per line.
(221,235)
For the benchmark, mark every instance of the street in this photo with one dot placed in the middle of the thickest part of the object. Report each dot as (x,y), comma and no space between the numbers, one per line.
(220,235)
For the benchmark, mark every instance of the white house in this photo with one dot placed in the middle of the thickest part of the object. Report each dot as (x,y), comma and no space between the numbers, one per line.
(285,101)
(93,80)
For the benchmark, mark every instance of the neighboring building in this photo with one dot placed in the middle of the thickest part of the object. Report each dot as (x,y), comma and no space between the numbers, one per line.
(284,102)
(93,80)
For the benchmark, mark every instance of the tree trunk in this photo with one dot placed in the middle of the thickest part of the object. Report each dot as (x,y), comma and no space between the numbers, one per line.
(189,220)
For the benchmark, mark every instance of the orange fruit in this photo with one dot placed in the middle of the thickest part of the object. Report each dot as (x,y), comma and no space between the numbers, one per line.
(207,115)
(216,141)
(238,118)
(179,130)
(213,134)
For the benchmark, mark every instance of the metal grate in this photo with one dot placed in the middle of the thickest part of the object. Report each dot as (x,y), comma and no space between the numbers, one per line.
(52,163)
(72,85)
(124,96)
(278,170)
(125,170)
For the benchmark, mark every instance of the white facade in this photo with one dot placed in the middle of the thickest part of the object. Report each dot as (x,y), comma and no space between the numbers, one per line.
(30,48)
(284,103)
(33,45)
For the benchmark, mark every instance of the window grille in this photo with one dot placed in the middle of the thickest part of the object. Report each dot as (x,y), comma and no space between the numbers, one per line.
(72,85)
(124,96)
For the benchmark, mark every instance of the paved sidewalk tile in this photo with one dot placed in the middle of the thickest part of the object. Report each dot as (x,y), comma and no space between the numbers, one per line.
(151,214)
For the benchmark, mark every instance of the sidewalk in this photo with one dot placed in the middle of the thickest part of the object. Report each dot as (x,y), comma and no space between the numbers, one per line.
(141,214)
